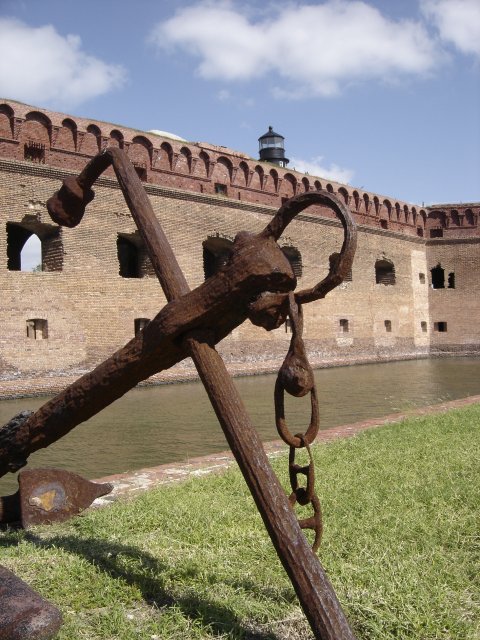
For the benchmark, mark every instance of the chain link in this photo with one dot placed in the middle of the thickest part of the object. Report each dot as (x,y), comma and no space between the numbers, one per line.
(296,377)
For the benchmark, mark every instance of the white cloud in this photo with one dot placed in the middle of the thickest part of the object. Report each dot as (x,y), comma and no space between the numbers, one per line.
(317,167)
(39,65)
(458,22)
(313,49)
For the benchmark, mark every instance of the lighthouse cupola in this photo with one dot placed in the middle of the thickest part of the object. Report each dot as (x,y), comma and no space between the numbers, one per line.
(272,149)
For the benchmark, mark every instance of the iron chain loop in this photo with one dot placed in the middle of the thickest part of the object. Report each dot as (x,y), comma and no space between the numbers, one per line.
(296,377)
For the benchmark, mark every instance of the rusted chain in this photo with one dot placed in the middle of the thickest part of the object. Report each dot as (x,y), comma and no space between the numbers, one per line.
(296,377)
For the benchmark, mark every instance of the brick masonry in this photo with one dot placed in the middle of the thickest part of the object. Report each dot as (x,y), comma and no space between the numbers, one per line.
(90,309)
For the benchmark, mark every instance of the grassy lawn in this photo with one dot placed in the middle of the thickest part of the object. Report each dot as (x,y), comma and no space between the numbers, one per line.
(401,546)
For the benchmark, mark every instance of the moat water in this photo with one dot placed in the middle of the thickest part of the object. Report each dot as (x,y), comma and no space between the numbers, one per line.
(170,423)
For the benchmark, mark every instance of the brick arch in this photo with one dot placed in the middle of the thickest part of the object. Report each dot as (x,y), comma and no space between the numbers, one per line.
(406,213)
(116,139)
(376,204)
(289,186)
(184,161)
(330,188)
(165,158)
(318,185)
(222,171)
(366,202)
(306,184)
(140,151)
(388,207)
(92,140)
(243,174)
(356,200)
(344,193)
(414,216)
(257,178)
(469,217)
(454,217)
(202,167)
(216,252)
(67,135)
(275,180)
(6,121)
(37,128)
(398,211)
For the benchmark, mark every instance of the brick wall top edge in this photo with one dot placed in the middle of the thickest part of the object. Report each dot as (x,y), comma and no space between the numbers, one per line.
(21,110)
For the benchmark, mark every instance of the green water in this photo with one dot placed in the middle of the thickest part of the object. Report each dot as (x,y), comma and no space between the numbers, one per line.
(155,425)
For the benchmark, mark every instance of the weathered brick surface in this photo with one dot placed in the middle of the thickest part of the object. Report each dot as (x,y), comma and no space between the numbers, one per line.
(91,309)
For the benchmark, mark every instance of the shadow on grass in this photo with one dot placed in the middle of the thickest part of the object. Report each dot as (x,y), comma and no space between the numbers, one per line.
(142,570)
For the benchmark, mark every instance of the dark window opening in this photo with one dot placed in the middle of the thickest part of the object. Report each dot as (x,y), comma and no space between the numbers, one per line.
(436,233)
(441,327)
(343,322)
(221,189)
(384,272)
(332,260)
(384,224)
(140,324)
(438,277)
(32,246)
(128,258)
(423,324)
(216,253)
(388,326)
(34,151)
(294,257)
(37,329)
(141,170)
(420,232)
(451,280)
(421,277)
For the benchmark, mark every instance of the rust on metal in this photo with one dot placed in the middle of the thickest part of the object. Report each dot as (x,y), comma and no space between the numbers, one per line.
(49,495)
(24,614)
(257,282)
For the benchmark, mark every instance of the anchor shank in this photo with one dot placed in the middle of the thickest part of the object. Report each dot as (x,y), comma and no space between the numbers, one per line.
(314,591)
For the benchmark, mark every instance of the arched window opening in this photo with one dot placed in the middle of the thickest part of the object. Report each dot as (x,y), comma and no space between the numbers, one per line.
(384,272)
(294,257)
(6,121)
(376,203)
(166,156)
(330,188)
(318,186)
(216,253)
(356,199)
(274,176)
(455,218)
(256,181)
(140,324)
(344,193)
(407,214)
(438,277)
(222,171)
(469,217)
(67,135)
(33,246)
(397,210)
(186,157)
(37,329)
(451,280)
(332,260)
(306,184)
(366,200)
(116,139)
(388,206)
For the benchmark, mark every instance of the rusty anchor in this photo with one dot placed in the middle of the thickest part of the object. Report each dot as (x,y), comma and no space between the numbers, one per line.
(49,495)
(24,614)
(255,283)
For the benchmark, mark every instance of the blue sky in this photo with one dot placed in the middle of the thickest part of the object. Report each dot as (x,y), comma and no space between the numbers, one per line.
(382,95)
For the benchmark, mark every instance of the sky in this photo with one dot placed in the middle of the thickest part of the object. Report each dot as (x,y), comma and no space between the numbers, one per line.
(384,96)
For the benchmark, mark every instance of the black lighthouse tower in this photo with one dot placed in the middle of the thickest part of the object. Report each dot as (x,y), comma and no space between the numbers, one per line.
(272,149)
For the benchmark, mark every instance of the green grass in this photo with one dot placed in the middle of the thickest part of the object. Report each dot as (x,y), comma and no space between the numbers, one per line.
(401,547)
